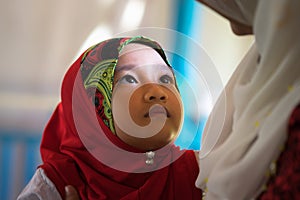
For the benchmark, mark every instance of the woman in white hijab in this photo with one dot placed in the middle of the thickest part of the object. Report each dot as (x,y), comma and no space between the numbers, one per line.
(251,143)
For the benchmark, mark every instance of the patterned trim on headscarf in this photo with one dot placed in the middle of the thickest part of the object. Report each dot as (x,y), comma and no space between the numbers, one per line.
(101,77)
(97,70)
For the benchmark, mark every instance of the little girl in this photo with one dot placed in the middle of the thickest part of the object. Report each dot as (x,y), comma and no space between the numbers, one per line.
(112,135)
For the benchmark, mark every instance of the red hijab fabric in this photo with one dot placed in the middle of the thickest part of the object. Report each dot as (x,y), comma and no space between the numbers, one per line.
(79,147)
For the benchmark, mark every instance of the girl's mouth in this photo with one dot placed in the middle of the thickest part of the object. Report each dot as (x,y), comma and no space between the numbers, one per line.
(157,110)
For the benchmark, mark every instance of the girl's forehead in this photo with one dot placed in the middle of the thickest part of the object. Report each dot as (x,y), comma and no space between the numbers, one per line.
(138,55)
(142,60)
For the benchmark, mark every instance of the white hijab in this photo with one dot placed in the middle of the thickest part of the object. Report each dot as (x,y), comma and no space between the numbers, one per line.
(247,128)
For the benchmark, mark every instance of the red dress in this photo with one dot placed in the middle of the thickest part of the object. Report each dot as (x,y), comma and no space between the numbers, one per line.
(285,183)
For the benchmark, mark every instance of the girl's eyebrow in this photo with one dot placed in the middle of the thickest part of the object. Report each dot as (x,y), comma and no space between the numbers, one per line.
(131,66)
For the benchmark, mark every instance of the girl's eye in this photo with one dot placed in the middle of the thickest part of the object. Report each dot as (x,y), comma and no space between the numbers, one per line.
(166,79)
(128,79)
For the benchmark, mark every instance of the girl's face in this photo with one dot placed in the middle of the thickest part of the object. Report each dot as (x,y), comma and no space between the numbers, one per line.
(146,105)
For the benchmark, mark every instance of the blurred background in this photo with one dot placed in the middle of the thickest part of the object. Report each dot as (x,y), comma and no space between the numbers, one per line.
(40,39)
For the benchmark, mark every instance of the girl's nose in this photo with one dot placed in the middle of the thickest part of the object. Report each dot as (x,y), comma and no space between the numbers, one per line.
(155,93)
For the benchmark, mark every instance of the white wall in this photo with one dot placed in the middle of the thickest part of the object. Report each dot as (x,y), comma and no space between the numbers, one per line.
(224,47)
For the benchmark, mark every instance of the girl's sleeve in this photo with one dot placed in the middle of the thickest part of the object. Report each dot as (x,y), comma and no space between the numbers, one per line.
(40,187)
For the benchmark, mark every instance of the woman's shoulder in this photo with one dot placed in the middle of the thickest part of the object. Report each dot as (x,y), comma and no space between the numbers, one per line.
(40,187)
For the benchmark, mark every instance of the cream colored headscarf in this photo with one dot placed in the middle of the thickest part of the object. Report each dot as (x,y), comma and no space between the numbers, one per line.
(239,147)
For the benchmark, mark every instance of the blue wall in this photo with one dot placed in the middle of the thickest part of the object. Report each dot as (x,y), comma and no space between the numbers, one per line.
(19,157)
(187,20)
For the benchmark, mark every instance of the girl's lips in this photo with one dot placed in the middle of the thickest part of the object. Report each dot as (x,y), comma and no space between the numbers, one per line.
(157,110)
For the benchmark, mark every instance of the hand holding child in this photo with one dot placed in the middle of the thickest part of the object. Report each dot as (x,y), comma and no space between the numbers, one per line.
(71,193)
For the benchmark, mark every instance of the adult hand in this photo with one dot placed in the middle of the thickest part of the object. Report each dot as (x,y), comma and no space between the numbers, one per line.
(71,193)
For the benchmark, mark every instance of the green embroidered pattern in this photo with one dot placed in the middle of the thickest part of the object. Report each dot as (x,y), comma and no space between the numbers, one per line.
(101,77)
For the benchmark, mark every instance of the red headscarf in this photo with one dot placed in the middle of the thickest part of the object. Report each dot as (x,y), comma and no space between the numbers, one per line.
(79,148)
